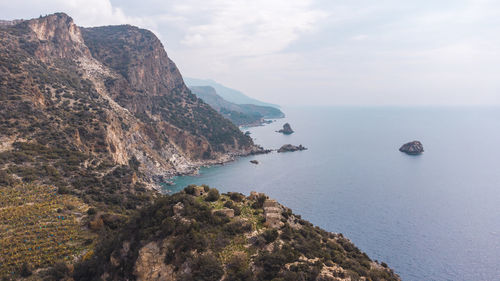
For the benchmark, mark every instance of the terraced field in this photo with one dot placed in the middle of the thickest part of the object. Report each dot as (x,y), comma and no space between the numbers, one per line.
(39,226)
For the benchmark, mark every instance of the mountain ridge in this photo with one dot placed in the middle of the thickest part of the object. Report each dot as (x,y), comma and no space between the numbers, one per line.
(239,114)
(227,93)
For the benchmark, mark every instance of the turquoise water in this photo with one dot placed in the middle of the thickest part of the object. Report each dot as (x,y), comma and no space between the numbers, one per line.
(430,217)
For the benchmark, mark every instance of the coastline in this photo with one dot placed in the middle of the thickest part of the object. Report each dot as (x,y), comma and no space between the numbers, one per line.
(160,181)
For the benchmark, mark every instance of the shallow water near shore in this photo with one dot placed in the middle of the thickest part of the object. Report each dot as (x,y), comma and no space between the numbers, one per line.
(435,216)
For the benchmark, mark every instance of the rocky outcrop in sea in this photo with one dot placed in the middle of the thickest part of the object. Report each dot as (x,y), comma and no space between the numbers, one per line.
(412,148)
(291,148)
(287,129)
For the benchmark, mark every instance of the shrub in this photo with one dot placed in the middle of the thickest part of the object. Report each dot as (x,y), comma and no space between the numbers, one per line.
(91,211)
(190,189)
(229,204)
(270,235)
(60,271)
(235,196)
(237,267)
(26,269)
(213,195)
(205,267)
(62,190)
(237,210)
(260,201)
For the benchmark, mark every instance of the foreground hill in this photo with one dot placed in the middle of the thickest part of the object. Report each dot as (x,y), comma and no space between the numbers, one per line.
(239,114)
(200,235)
(231,95)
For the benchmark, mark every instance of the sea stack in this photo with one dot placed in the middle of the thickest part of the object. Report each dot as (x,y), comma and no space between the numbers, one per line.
(291,148)
(412,148)
(287,129)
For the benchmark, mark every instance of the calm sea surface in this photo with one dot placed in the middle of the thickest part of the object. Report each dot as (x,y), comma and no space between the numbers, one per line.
(430,217)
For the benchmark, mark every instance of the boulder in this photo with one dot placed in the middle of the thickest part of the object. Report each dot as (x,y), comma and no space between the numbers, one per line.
(287,129)
(291,148)
(412,148)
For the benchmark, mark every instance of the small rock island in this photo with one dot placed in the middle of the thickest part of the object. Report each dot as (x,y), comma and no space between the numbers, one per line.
(412,148)
(254,162)
(291,148)
(287,129)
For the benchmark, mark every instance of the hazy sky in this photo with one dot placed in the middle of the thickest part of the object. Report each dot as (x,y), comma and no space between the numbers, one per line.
(328,52)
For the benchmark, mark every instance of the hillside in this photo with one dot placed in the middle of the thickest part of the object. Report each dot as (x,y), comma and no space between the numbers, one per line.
(239,114)
(231,95)
(200,235)
(103,97)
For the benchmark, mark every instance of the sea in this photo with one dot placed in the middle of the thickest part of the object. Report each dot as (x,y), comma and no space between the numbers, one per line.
(435,216)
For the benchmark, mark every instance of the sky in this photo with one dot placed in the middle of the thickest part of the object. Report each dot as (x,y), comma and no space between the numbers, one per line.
(317,52)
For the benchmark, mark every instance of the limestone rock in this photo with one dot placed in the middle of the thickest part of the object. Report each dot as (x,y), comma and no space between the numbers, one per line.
(150,264)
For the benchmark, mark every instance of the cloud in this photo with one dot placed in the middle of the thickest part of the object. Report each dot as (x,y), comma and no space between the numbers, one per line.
(84,12)
(338,52)
(246,28)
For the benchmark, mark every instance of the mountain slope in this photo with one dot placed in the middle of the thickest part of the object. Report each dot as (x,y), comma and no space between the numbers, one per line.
(101,101)
(239,114)
(226,93)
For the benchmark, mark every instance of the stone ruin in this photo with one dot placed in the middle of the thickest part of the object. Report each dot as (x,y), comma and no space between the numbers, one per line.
(199,191)
(272,213)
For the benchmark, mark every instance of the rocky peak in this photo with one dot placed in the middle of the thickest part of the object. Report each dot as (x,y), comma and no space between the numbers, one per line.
(138,55)
(57,37)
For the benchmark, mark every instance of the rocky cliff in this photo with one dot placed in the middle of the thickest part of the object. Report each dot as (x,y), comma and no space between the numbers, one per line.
(109,93)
